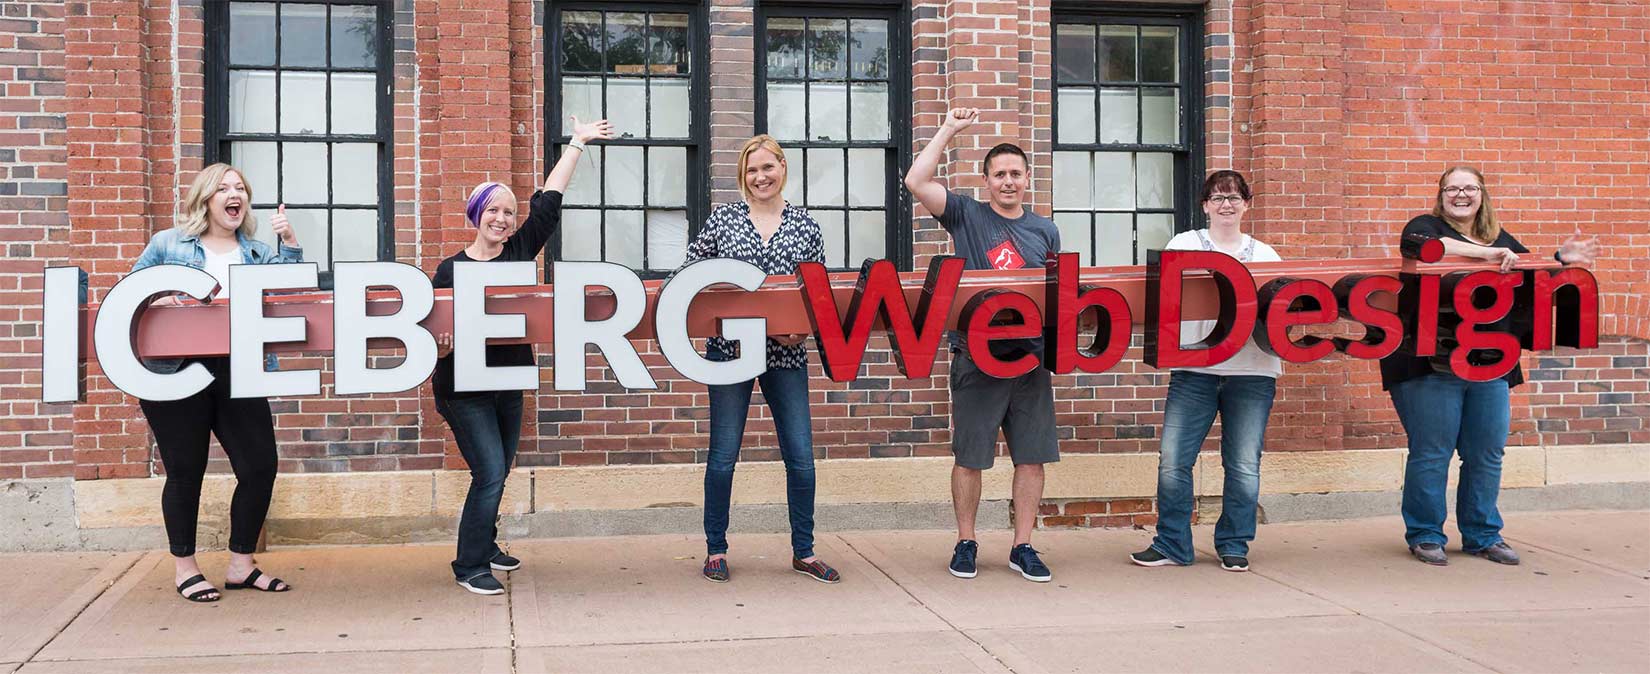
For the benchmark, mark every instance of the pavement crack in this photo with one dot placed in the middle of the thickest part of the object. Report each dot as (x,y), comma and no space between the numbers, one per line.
(101,591)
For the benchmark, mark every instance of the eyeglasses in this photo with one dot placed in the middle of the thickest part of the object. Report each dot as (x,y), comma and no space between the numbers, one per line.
(1469,190)
(1224,199)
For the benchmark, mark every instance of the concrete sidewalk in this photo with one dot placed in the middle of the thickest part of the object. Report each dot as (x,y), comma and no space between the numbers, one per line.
(1338,596)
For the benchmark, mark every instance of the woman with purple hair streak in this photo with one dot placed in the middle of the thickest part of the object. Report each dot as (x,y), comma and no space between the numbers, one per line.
(487,424)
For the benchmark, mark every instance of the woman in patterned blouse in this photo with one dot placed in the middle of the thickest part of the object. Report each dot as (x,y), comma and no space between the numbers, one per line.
(765,231)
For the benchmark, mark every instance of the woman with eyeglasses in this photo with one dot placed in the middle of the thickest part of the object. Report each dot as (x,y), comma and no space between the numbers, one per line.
(1442,413)
(1240,390)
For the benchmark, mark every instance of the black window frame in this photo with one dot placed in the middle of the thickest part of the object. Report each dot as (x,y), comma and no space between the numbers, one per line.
(217,137)
(897,202)
(697,142)
(1189,155)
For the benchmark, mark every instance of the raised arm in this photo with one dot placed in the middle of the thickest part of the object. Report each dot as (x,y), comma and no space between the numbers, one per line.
(562,173)
(920,179)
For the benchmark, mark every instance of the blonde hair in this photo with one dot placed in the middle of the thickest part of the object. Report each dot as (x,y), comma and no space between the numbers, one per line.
(1484,228)
(762,142)
(195,214)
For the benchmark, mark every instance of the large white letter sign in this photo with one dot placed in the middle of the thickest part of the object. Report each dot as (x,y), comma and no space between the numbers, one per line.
(115,332)
(60,374)
(352,327)
(250,330)
(573,331)
(472,326)
(670,321)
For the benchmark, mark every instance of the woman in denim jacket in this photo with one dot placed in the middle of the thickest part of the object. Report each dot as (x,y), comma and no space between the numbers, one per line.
(216,231)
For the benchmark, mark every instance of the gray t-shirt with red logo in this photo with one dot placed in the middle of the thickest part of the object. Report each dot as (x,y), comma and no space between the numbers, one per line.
(988,240)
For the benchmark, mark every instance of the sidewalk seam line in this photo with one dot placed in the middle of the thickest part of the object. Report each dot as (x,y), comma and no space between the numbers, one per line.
(112,582)
(1578,558)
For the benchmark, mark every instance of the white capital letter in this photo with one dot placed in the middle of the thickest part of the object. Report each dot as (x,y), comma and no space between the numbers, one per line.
(352,327)
(573,332)
(670,320)
(250,330)
(472,326)
(115,333)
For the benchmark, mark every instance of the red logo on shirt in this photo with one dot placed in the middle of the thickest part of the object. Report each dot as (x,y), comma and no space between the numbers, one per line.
(1006,256)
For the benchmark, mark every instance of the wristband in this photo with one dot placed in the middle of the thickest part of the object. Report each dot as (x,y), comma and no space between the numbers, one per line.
(1559,255)
(576,143)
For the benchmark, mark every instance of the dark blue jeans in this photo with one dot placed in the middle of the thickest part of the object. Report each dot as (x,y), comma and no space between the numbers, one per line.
(487,428)
(1245,405)
(1444,414)
(786,391)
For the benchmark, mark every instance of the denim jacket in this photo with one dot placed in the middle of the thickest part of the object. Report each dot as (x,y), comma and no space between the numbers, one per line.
(174,247)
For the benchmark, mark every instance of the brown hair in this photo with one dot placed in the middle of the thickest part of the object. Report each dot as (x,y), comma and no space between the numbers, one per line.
(762,142)
(194,220)
(1484,228)
(1230,181)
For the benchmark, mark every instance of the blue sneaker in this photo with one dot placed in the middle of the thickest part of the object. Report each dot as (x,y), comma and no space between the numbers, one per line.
(1023,558)
(962,559)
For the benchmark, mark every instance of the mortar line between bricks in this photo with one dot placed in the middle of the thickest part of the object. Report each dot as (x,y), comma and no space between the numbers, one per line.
(925,605)
(105,589)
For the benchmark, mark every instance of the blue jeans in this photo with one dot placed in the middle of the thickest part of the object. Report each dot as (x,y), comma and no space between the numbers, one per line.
(1245,405)
(487,428)
(1444,414)
(786,391)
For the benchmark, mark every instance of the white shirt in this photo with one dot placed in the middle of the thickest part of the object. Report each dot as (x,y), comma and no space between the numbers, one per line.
(1251,361)
(217,264)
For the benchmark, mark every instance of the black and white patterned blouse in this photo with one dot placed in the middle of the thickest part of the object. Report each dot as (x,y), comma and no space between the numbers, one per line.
(730,233)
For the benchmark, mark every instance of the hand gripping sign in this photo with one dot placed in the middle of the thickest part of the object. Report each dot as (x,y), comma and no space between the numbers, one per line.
(1459,312)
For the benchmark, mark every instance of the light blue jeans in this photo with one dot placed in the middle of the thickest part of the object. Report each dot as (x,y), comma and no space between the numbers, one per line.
(1444,414)
(1244,404)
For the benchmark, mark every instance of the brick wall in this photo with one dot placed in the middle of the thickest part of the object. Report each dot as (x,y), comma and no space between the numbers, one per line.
(1341,111)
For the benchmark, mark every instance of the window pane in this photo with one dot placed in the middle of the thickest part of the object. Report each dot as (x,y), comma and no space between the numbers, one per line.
(667,176)
(666,239)
(303,103)
(354,235)
(586,186)
(252,33)
(624,238)
(304,173)
(310,226)
(826,40)
(785,47)
(581,235)
(870,111)
(581,97)
(267,235)
(1159,54)
(257,163)
(1076,113)
(796,165)
(1075,235)
(867,236)
(251,101)
(867,177)
(354,103)
(1119,120)
(1074,57)
(827,111)
(623,173)
(303,35)
(825,179)
(1117,55)
(668,44)
(625,48)
(869,49)
(1113,238)
(787,110)
(668,107)
(1160,116)
(355,173)
(1155,231)
(581,42)
(1114,181)
(624,107)
(831,228)
(1156,173)
(1072,180)
(354,37)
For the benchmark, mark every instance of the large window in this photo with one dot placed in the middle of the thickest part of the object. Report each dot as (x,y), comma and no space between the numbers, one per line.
(634,199)
(298,99)
(1126,141)
(832,88)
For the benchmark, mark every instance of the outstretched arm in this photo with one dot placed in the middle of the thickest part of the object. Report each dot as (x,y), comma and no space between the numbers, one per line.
(920,179)
(562,173)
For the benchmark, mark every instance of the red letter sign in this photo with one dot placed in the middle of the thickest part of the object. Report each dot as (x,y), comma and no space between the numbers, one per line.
(879,294)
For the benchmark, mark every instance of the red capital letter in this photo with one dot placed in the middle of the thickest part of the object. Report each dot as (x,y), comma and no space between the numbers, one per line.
(879,295)
(1237,308)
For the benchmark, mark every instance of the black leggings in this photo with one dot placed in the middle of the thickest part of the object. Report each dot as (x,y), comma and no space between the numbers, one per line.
(245,430)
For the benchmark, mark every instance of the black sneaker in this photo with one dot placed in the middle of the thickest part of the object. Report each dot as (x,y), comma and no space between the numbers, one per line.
(1151,557)
(962,559)
(1234,563)
(1023,558)
(505,562)
(482,583)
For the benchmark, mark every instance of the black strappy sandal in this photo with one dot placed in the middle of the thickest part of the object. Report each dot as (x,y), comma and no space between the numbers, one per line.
(199,596)
(251,583)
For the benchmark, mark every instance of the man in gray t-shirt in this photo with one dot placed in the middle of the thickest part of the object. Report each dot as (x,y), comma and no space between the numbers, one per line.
(999,234)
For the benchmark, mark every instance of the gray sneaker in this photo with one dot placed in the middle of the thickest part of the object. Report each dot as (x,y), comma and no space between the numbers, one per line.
(1431,553)
(1499,553)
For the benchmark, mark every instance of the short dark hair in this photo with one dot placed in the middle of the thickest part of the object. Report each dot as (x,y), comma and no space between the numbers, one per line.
(1001,149)
(1228,181)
